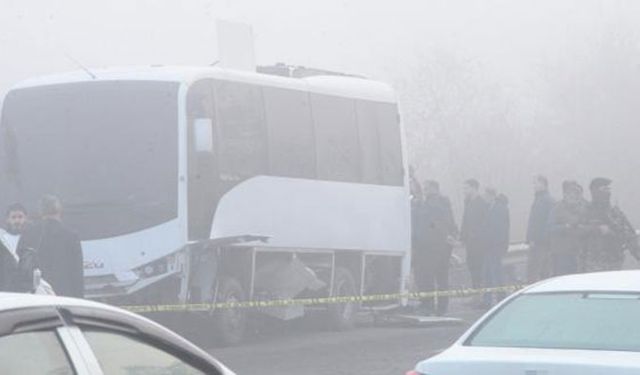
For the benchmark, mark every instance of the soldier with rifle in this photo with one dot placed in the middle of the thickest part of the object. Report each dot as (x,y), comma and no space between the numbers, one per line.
(609,235)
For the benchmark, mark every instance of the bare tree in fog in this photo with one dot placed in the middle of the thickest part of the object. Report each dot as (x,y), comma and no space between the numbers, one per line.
(462,122)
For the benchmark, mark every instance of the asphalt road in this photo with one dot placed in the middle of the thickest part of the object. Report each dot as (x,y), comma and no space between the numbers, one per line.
(306,347)
(303,348)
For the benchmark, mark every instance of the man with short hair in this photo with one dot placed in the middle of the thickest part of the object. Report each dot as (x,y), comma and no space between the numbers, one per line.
(472,231)
(538,265)
(59,252)
(610,233)
(436,230)
(15,221)
(417,234)
(497,227)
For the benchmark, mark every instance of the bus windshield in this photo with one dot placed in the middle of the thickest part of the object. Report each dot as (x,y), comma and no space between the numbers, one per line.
(109,150)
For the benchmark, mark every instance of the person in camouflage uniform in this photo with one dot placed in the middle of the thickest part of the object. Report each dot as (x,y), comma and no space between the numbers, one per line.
(609,234)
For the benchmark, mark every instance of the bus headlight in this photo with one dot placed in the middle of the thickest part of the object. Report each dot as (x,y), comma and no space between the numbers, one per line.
(154,268)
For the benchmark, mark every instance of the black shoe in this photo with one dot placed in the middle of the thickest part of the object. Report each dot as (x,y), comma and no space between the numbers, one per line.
(482,306)
(424,311)
(441,313)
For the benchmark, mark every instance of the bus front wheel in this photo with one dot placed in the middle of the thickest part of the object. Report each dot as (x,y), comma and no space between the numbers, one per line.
(230,322)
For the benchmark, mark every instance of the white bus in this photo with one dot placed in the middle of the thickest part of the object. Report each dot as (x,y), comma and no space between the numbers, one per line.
(200,185)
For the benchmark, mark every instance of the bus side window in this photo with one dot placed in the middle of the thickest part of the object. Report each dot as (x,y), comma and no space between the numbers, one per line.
(390,144)
(337,148)
(369,141)
(290,132)
(242,148)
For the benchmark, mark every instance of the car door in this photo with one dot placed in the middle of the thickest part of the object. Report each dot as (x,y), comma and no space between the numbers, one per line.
(36,352)
(119,353)
(122,344)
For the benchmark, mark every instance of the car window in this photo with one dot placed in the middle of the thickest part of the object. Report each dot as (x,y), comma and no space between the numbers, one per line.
(33,353)
(123,355)
(595,321)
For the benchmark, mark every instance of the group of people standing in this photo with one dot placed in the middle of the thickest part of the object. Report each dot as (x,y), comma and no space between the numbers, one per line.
(44,247)
(484,233)
(569,236)
(577,235)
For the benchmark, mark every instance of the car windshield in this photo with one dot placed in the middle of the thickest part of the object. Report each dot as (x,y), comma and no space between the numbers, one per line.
(591,321)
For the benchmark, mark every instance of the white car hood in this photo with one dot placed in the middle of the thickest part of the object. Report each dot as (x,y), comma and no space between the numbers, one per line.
(464,360)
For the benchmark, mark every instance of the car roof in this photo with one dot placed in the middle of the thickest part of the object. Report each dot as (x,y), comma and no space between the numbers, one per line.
(11,301)
(613,281)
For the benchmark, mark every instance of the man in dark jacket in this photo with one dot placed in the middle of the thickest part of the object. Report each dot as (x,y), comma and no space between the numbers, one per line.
(59,253)
(436,232)
(471,233)
(538,266)
(497,226)
(8,267)
(567,229)
(417,235)
(609,232)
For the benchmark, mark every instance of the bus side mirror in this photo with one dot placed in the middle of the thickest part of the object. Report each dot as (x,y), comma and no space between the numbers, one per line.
(203,134)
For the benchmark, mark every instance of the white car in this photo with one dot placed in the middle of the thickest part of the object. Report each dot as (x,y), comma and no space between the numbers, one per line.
(572,325)
(58,336)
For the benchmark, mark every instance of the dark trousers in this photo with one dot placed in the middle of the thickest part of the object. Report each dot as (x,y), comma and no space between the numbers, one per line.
(538,264)
(493,278)
(564,263)
(475,262)
(432,274)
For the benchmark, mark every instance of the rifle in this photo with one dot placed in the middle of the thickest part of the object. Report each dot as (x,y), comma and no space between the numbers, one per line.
(621,225)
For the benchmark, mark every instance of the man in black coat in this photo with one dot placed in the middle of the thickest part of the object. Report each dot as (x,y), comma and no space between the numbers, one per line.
(539,262)
(497,226)
(472,231)
(567,229)
(59,252)
(436,231)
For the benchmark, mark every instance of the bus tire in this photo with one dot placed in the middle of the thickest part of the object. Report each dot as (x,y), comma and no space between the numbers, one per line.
(230,323)
(342,315)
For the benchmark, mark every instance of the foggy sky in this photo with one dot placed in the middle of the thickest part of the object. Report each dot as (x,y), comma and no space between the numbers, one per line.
(370,37)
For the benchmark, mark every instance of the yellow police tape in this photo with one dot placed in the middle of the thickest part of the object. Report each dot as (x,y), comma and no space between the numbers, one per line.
(194,307)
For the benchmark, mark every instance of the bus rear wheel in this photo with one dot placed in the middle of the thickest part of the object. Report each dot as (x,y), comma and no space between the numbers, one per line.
(342,315)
